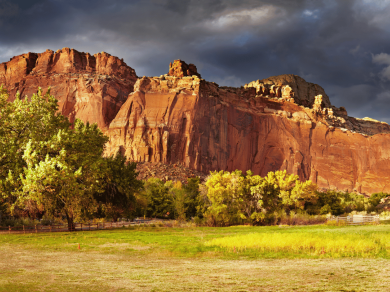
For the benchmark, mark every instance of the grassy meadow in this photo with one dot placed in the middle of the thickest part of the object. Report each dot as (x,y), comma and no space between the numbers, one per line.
(242,258)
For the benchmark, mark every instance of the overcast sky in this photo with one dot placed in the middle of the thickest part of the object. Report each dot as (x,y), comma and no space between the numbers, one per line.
(342,45)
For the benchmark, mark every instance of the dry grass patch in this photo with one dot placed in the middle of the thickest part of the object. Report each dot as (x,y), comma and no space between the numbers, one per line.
(125,246)
(39,270)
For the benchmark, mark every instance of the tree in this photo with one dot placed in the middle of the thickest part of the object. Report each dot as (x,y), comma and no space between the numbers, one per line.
(233,197)
(375,199)
(121,186)
(21,121)
(160,201)
(329,202)
(225,195)
(179,201)
(67,178)
(277,191)
(47,160)
(192,200)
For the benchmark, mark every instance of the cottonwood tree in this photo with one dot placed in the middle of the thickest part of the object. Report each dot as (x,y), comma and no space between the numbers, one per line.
(45,159)
(21,121)
(225,192)
(279,191)
(120,195)
(192,199)
(233,196)
(160,199)
(66,179)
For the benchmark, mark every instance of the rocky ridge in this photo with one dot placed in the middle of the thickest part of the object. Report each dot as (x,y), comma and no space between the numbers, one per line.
(281,122)
(89,87)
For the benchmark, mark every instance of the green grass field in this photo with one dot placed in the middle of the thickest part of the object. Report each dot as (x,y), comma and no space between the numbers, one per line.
(309,258)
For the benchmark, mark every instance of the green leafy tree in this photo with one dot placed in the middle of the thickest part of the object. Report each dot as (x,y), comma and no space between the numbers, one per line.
(160,200)
(329,202)
(121,188)
(353,202)
(233,197)
(66,179)
(179,200)
(375,199)
(192,201)
(46,160)
(21,121)
(225,196)
(279,191)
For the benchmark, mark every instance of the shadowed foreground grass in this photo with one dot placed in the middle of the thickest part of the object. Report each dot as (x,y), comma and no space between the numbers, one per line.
(165,259)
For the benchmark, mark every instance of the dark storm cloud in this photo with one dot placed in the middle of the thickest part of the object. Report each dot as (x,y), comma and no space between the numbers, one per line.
(341,45)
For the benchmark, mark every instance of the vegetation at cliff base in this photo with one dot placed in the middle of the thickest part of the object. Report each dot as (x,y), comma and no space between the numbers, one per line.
(53,169)
(50,166)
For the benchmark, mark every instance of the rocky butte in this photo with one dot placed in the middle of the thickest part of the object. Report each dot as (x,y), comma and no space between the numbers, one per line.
(278,123)
(89,87)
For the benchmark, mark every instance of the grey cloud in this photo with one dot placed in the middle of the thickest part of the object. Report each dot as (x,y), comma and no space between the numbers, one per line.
(383,59)
(8,9)
(341,45)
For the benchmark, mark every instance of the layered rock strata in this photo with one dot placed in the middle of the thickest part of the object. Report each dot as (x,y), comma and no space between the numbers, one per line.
(89,87)
(281,122)
(264,126)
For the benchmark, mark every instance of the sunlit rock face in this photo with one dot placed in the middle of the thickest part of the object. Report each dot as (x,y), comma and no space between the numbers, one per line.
(89,87)
(265,125)
(279,123)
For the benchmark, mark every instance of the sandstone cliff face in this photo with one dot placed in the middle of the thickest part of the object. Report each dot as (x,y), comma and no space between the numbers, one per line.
(260,127)
(92,88)
(290,87)
(281,122)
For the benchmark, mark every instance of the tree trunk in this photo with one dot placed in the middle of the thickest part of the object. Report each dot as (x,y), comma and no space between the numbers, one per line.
(69,218)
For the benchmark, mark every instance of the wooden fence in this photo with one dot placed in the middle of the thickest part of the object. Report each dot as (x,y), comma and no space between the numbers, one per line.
(356,219)
(38,228)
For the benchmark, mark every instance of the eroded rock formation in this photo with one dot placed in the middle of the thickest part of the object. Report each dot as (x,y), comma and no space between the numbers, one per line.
(263,126)
(89,87)
(281,122)
(180,68)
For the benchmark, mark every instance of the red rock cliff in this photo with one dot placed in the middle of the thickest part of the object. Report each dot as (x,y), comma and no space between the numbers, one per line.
(282,122)
(92,88)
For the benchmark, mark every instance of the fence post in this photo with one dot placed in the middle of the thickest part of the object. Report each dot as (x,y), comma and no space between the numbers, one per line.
(9,229)
(89,226)
(111,224)
(50,227)
(24,231)
(35,228)
(103,224)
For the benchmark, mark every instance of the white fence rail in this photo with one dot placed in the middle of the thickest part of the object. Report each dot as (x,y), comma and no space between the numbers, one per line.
(356,219)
